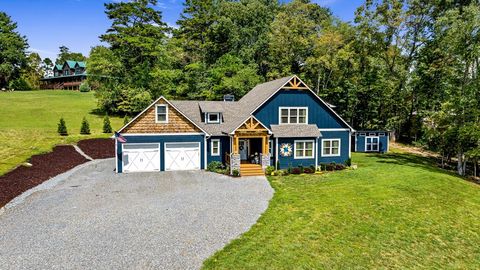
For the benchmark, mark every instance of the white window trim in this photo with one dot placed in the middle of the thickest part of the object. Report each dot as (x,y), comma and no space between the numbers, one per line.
(270,147)
(381,134)
(156,113)
(303,141)
(212,153)
(207,118)
(298,117)
(378,144)
(339,147)
(372,134)
(362,134)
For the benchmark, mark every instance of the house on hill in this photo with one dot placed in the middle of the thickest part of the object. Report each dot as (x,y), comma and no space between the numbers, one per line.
(280,123)
(68,75)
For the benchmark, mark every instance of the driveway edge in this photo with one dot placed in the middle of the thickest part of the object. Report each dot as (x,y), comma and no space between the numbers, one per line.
(49,184)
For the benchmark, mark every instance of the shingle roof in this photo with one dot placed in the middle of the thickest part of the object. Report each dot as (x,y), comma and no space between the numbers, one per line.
(212,106)
(300,130)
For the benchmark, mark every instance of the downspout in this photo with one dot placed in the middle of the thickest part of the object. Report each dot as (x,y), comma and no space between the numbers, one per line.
(276,153)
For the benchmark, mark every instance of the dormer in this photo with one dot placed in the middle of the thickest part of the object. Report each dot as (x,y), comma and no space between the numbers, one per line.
(212,112)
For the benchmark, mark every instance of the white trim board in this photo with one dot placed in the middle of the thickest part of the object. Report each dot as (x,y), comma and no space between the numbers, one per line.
(298,108)
(211,147)
(334,129)
(303,141)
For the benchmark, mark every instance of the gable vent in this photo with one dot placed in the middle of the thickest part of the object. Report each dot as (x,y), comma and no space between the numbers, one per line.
(228,97)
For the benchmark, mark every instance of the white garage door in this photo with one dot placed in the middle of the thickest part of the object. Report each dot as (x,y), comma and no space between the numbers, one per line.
(141,157)
(182,156)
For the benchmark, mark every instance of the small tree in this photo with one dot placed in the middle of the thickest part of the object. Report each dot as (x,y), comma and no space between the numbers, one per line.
(107,128)
(62,127)
(85,128)
(84,87)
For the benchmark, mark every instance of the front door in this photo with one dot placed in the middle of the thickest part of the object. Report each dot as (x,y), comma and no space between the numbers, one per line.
(243,148)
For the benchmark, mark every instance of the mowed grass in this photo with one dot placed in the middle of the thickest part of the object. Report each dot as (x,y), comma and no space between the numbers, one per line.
(396,211)
(28,122)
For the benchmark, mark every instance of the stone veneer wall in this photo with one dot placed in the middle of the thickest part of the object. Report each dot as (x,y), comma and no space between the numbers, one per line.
(234,162)
(265,159)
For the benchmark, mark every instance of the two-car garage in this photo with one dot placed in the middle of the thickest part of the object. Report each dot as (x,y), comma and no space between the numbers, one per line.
(168,156)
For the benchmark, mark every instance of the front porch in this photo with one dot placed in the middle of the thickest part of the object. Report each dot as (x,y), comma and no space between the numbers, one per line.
(250,149)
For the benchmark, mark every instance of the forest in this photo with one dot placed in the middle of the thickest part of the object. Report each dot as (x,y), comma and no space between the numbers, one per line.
(408,66)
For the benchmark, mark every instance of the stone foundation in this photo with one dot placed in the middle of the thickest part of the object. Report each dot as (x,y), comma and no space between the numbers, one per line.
(265,160)
(234,162)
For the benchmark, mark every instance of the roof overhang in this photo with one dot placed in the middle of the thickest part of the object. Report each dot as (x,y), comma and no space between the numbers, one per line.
(248,118)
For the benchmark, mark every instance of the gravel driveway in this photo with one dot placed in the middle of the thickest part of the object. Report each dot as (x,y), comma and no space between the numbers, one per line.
(97,219)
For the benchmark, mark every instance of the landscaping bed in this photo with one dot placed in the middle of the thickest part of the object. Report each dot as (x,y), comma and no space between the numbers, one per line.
(44,167)
(98,148)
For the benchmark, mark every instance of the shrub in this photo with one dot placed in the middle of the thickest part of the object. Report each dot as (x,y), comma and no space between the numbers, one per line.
(323,167)
(84,87)
(296,171)
(269,170)
(235,172)
(107,128)
(308,170)
(222,171)
(85,128)
(312,168)
(62,127)
(19,84)
(339,167)
(214,166)
(348,162)
(330,167)
(301,168)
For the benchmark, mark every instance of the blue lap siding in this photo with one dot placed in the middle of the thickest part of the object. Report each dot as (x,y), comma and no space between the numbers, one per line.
(161,140)
(224,148)
(318,113)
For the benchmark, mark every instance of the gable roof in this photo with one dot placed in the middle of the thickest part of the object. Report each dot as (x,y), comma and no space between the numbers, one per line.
(81,64)
(235,113)
(58,67)
(170,104)
(70,63)
(296,130)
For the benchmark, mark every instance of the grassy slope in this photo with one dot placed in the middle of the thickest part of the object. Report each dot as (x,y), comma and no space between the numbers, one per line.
(395,211)
(28,122)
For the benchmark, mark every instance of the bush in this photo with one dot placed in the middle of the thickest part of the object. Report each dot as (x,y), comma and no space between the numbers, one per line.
(308,170)
(84,87)
(222,171)
(296,171)
(330,167)
(214,166)
(85,128)
(269,170)
(348,162)
(340,167)
(235,173)
(19,85)
(62,127)
(107,127)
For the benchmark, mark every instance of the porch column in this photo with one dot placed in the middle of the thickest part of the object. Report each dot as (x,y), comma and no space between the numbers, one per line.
(235,144)
(265,157)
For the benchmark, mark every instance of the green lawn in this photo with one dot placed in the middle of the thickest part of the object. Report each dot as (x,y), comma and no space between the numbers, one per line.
(28,122)
(395,211)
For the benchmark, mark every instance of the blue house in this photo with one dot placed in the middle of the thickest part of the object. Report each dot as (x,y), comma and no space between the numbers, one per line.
(371,141)
(282,123)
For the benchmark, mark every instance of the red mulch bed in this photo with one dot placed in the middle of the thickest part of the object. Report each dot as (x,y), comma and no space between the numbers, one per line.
(98,148)
(45,166)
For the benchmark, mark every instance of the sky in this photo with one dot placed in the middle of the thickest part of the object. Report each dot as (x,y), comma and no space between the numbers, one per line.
(77,24)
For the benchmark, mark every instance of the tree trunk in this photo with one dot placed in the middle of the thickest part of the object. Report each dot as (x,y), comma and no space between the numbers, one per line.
(460,164)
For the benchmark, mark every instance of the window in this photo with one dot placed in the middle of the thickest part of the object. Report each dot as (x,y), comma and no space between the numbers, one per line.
(331,148)
(213,118)
(215,144)
(67,72)
(371,144)
(162,113)
(293,115)
(303,149)
(270,147)
(362,134)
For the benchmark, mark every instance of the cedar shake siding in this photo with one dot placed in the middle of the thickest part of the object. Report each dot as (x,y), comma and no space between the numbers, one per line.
(177,123)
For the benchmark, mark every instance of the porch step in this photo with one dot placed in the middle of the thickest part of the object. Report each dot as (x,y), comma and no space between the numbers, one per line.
(251,170)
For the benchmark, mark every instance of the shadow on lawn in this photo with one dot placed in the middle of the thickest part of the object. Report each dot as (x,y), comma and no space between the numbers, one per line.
(412,160)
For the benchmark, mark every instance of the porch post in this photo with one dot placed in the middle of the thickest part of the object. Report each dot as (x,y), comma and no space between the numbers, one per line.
(265,157)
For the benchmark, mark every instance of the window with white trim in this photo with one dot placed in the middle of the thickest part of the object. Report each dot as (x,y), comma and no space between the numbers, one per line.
(161,112)
(270,147)
(372,144)
(331,147)
(304,149)
(293,115)
(213,118)
(215,144)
